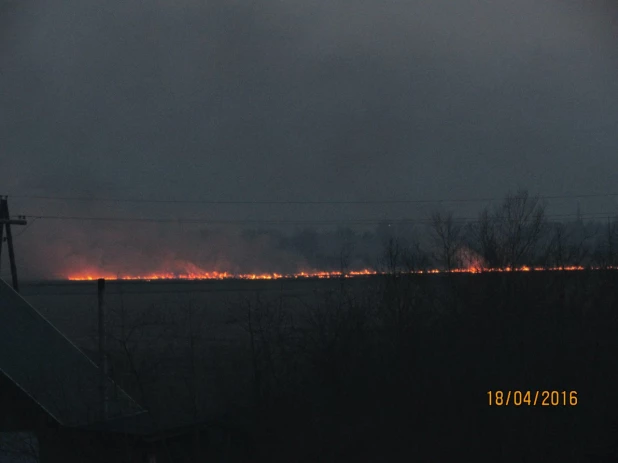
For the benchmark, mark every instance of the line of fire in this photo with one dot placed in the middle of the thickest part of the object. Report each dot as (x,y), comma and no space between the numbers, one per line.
(324,275)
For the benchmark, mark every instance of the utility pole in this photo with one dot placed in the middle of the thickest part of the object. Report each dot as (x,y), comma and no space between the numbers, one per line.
(102,350)
(6,221)
(610,243)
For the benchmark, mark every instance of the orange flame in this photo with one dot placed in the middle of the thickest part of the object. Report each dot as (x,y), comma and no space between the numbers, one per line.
(199,275)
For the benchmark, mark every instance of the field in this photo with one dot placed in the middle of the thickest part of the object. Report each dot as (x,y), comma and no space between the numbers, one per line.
(72,306)
(373,366)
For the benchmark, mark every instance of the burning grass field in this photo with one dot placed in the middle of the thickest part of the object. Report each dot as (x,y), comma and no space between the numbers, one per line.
(311,275)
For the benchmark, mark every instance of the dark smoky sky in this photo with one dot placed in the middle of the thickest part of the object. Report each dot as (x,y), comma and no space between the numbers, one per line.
(290,100)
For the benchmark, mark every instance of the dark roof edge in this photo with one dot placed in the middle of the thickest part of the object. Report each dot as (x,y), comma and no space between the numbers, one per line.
(52,325)
(74,346)
(32,397)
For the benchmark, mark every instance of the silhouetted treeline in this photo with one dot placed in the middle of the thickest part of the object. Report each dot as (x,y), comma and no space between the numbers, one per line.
(516,232)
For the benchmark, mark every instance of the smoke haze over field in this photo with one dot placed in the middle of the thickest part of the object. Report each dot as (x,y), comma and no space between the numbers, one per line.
(339,100)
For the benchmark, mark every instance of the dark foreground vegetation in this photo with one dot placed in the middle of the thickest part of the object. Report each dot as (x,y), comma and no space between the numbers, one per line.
(405,371)
(395,370)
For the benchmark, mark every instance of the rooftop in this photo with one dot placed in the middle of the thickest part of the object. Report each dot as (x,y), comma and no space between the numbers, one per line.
(50,369)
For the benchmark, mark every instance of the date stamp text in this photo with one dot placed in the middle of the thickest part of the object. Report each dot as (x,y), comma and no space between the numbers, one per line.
(532,398)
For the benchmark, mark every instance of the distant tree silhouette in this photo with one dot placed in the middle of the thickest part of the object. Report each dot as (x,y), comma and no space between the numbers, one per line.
(447,236)
(507,235)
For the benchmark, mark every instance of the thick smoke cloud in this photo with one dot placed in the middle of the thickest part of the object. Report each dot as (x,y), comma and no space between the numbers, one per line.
(117,251)
(299,100)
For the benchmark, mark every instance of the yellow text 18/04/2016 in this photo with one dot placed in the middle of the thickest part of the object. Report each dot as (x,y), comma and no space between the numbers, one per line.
(532,398)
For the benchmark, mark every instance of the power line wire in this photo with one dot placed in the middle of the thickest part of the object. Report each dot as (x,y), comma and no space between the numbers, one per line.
(26,228)
(272,221)
(290,202)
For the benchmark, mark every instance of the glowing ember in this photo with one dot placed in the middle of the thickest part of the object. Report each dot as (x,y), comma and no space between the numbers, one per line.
(303,275)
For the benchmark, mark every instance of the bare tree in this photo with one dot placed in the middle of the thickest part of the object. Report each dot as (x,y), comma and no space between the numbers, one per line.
(392,260)
(522,223)
(271,329)
(447,239)
(612,236)
(508,235)
(488,245)
(141,342)
(567,246)
(415,259)
(604,254)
